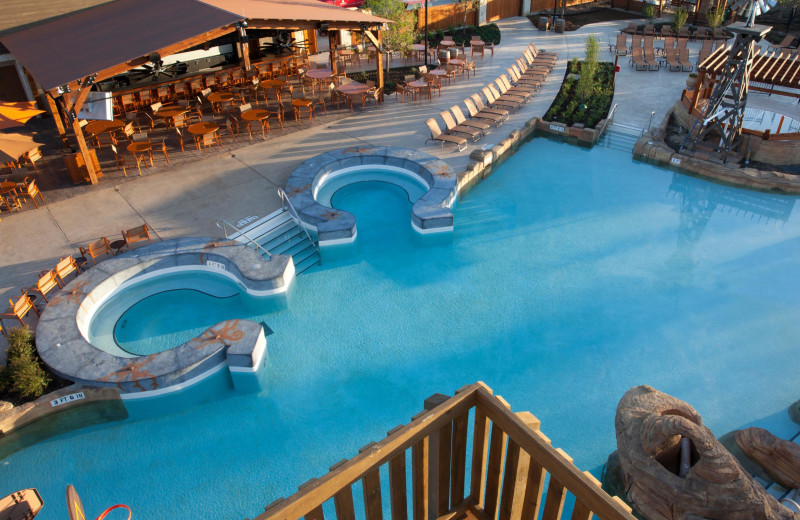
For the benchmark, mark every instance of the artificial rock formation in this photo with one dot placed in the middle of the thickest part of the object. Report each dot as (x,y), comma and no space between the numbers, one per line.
(780,459)
(650,425)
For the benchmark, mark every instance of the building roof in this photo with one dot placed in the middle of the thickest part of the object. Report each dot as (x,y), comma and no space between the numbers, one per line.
(93,40)
(295,10)
(21,14)
(767,67)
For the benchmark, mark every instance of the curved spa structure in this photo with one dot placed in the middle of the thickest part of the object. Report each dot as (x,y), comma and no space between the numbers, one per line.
(64,337)
(431,186)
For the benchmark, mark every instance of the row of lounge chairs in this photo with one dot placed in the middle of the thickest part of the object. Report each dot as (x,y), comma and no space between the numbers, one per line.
(666,31)
(506,94)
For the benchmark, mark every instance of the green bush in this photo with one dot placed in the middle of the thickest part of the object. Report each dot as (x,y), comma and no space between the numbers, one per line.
(679,18)
(23,374)
(566,107)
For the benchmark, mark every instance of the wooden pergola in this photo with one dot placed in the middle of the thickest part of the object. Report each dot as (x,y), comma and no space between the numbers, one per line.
(770,69)
(67,56)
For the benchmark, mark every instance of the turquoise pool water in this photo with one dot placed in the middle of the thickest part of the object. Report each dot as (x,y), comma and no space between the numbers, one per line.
(571,276)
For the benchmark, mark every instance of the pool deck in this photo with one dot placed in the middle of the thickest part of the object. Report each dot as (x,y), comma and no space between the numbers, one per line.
(186,199)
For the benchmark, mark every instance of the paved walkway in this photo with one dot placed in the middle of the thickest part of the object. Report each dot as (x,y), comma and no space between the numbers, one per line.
(185,200)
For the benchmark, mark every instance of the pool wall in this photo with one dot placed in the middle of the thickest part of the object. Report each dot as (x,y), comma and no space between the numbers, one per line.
(61,336)
(431,213)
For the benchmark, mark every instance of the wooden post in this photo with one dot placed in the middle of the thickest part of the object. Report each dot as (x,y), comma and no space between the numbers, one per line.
(62,131)
(74,107)
(696,93)
(379,63)
(244,46)
(332,45)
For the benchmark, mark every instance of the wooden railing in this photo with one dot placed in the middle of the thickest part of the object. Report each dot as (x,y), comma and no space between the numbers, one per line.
(508,466)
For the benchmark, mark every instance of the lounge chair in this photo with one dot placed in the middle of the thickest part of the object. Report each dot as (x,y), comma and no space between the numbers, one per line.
(650,59)
(683,58)
(527,72)
(636,41)
(630,29)
(454,128)
(637,59)
(705,51)
(438,135)
(461,120)
(495,119)
(621,48)
(502,96)
(503,85)
(517,79)
(671,58)
(494,100)
(542,53)
(488,110)
(666,31)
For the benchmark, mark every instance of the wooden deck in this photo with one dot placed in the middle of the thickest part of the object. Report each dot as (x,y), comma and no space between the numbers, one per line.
(508,467)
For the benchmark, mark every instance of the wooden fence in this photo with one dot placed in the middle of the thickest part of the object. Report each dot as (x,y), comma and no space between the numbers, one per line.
(548,5)
(444,16)
(508,466)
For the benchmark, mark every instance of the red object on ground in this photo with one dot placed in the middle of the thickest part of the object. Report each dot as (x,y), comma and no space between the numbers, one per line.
(616,68)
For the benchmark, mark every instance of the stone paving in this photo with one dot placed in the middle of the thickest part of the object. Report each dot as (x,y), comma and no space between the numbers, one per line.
(185,199)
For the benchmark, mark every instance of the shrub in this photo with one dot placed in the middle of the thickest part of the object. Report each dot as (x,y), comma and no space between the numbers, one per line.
(715,17)
(649,11)
(679,18)
(23,375)
(586,82)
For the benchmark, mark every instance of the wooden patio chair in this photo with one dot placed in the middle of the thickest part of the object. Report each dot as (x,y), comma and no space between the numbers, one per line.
(97,248)
(33,155)
(11,202)
(120,161)
(374,93)
(495,119)
(47,282)
(231,128)
(180,138)
(28,189)
(64,267)
(209,140)
(438,135)
(20,308)
(137,234)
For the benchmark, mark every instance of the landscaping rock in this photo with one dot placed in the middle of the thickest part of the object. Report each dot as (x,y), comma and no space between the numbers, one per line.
(5,406)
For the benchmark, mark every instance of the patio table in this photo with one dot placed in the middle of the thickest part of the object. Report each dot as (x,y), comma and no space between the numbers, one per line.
(256,114)
(447,43)
(353,89)
(101,126)
(418,85)
(202,128)
(275,84)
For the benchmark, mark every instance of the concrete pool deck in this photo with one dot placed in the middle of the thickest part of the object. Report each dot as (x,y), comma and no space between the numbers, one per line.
(186,199)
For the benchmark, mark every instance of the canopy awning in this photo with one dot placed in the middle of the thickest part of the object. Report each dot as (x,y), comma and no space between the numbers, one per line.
(771,68)
(103,37)
(296,14)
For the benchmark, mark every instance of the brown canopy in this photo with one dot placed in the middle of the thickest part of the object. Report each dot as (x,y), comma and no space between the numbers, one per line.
(297,14)
(73,47)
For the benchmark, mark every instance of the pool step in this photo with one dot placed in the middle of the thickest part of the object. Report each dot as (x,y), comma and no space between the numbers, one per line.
(281,234)
(621,137)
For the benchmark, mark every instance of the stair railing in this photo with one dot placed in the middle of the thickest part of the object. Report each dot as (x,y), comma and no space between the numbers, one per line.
(608,120)
(293,212)
(649,122)
(221,223)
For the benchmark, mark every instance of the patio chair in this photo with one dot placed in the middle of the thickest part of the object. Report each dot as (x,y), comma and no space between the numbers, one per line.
(682,43)
(528,90)
(209,140)
(649,30)
(28,189)
(517,79)
(705,51)
(720,34)
(164,94)
(64,267)
(434,83)
(671,57)
(621,48)
(637,59)
(373,94)
(461,120)
(97,248)
(636,41)
(528,72)
(683,58)
(438,135)
(46,283)
(489,110)
(11,202)
(666,31)
(493,101)
(631,28)
(33,155)
(137,234)
(120,161)
(542,54)
(20,308)
(180,138)
(454,128)
(650,59)
(231,128)
(507,98)
(684,32)
(495,119)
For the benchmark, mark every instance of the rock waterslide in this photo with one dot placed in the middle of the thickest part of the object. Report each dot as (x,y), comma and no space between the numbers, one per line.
(659,438)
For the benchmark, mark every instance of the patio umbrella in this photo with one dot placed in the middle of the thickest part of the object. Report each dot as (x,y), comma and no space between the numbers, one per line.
(17,113)
(14,146)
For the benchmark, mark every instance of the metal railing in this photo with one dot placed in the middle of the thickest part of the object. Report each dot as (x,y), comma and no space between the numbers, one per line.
(507,468)
(649,122)
(221,223)
(608,120)
(293,212)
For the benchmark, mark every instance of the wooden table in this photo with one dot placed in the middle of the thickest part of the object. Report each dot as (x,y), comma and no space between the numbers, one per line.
(171,112)
(257,114)
(220,97)
(7,187)
(319,73)
(101,126)
(303,103)
(417,85)
(275,84)
(354,89)
(202,128)
(140,147)
(447,43)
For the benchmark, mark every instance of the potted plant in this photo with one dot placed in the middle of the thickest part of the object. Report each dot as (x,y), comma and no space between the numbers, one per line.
(649,12)
(715,17)
(679,18)
(691,81)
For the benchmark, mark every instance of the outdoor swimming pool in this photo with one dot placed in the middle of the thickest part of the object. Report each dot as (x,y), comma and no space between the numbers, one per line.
(571,276)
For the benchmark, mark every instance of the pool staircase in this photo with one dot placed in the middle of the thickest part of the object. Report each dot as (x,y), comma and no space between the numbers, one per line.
(279,233)
(621,137)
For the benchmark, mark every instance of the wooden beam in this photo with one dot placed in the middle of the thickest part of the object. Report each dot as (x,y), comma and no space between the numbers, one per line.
(57,118)
(379,60)
(332,53)
(244,47)
(72,107)
(301,25)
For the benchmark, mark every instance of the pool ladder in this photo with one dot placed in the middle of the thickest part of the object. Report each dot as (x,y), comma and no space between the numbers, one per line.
(279,233)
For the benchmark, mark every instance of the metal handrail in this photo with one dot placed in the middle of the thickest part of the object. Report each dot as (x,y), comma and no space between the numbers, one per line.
(221,222)
(608,120)
(649,121)
(293,212)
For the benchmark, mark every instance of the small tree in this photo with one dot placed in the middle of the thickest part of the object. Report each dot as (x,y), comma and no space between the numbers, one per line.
(715,17)
(469,7)
(400,34)
(23,375)
(649,12)
(585,86)
(679,18)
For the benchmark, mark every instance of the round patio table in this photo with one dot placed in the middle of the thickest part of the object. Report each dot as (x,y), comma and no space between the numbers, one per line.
(319,73)
(303,103)
(353,89)
(171,112)
(417,85)
(140,146)
(275,84)
(447,43)
(7,187)
(203,127)
(100,126)
(256,114)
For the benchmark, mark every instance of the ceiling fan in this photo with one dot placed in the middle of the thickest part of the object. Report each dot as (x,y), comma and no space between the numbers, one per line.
(158,68)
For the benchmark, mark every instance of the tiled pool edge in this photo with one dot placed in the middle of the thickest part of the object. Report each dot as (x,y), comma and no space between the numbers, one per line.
(241,344)
(432,213)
